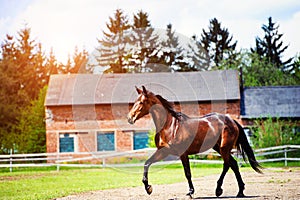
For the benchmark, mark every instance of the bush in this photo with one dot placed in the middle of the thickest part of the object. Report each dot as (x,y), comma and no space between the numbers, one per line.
(270,132)
(151,141)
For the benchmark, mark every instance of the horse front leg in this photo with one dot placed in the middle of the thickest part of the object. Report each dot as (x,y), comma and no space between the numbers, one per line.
(157,156)
(187,171)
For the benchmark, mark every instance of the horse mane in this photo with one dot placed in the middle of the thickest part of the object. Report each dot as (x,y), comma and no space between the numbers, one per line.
(169,107)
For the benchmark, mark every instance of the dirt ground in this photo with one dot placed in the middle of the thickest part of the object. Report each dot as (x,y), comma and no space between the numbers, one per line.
(273,184)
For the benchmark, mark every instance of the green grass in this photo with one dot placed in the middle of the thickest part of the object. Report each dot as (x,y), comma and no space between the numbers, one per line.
(47,183)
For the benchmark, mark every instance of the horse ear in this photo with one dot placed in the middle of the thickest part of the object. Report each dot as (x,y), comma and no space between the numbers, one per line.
(144,91)
(139,91)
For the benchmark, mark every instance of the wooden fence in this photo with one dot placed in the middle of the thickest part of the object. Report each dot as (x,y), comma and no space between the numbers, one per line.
(71,159)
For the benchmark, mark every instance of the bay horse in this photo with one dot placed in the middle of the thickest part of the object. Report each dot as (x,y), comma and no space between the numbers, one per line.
(179,135)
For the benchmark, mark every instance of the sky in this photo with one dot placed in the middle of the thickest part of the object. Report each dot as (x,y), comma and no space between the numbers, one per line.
(62,25)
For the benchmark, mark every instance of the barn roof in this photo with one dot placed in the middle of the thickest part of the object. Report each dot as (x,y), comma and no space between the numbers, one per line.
(82,89)
(275,101)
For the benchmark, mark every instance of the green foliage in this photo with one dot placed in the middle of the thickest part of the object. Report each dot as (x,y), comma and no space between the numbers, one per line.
(31,127)
(295,71)
(275,132)
(270,47)
(112,47)
(22,74)
(151,140)
(24,71)
(217,42)
(258,71)
(172,52)
(143,42)
(198,57)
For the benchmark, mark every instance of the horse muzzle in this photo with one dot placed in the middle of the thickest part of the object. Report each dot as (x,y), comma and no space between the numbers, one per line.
(131,120)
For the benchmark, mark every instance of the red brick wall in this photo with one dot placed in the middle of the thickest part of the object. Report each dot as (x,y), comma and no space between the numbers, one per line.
(86,142)
(51,141)
(202,108)
(124,140)
(87,120)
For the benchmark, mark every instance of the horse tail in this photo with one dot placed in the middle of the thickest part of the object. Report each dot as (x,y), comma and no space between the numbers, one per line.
(245,149)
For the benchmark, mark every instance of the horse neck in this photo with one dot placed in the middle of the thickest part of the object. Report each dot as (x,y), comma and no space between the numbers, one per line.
(161,117)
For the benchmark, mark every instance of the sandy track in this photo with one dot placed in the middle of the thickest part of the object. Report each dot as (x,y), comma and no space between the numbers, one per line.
(270,185)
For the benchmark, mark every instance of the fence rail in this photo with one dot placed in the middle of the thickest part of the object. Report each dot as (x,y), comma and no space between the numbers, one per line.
(69,159)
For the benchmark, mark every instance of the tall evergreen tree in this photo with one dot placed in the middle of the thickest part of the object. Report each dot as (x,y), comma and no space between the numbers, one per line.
(22,74)
(143,43)
(271,47)
(296,69)
(52,64)
(197,56)
(113,46)
(9,99)
(29,63)
(172,52)
(218,43)
(75,65)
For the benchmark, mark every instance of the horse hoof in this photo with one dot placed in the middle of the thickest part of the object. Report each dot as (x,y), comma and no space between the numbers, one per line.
(219,192)
(240,194)
(190,193)
(149,189)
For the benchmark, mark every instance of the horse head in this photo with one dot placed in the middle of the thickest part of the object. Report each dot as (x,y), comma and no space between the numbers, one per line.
(141,106)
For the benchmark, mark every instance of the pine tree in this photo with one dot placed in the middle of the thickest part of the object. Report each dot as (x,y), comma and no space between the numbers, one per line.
(172,52)
(75,65)
(271,47)
(26,65)
(218,43)
(9,100)
(143,42)
(197,56)
(23,73)
(113,46)
(52,64)
(296,69)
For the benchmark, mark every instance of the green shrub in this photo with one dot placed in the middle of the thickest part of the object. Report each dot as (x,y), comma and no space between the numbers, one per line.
(270,132)
(151,141)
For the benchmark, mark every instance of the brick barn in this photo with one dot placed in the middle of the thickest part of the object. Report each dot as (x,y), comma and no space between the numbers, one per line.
(87,113)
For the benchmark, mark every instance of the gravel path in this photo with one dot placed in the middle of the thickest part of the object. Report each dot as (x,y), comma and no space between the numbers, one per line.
(273,184)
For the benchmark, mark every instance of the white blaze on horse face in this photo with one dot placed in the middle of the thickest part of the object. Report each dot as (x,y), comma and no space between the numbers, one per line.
(138,110)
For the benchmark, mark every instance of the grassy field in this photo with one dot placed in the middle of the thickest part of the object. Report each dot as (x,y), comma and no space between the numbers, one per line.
(47,183)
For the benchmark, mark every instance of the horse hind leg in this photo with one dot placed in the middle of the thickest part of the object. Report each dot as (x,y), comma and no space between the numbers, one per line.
(229,161)
(235,168)
(219,190)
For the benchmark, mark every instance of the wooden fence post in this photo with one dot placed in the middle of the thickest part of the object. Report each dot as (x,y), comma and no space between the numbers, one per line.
(10,161)
(57,163)
(285,156)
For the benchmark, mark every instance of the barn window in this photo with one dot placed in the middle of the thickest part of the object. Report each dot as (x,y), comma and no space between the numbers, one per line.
(67,142)
(140,140)
(105,141)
